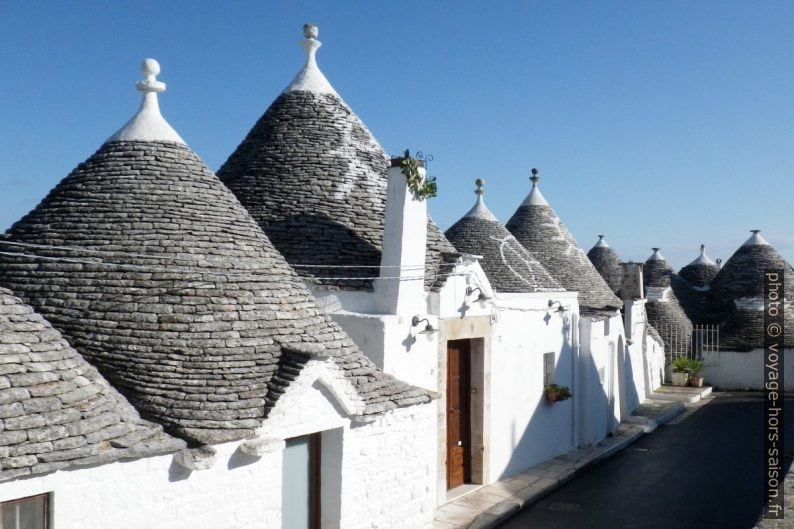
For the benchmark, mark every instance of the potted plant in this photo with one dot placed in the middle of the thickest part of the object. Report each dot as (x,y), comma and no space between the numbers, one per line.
(554,392)
(695,369)
(680,371)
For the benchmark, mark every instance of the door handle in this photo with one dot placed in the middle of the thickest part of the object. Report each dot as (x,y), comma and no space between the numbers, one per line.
(460,443)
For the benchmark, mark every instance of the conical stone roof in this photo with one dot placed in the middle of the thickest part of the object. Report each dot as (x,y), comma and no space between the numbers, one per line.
(738,290)
(657,271)
(742,276)
(56,411)
(508,265)
(664,309)
(153,270)
(538,228)
(700,272)
(314,178)
(608,264)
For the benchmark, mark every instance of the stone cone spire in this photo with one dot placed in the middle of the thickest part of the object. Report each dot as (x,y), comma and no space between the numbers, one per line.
(608,264)
(508,265)
(152,269)
(314,178)
(538,228)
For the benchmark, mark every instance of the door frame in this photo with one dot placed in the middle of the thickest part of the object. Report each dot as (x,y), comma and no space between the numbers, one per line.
(478,329)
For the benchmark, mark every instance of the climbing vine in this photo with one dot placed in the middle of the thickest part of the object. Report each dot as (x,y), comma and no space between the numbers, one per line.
(420,187)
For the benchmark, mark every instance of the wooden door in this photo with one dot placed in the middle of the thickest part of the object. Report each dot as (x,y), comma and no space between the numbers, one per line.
(458,406)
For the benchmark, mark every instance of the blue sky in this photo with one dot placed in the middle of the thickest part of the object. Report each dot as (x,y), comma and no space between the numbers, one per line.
(664,124)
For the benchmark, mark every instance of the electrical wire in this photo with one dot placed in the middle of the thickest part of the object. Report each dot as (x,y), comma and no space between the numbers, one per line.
(200,260)
(150,268)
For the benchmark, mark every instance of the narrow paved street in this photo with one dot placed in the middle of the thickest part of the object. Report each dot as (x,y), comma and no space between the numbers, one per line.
(702,472)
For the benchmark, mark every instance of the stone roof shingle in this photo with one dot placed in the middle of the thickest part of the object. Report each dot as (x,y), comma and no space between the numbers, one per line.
(538,228)
(165,283)
(507,264)
(56,411)
(314,178)
(607,263)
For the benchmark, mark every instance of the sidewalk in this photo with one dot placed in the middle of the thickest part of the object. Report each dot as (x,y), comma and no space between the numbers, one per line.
(491,504)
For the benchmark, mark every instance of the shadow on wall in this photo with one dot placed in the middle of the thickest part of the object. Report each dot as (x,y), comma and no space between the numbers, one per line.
(550,431)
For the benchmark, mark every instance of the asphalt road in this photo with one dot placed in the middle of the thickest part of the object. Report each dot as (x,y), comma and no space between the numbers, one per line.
(702,473)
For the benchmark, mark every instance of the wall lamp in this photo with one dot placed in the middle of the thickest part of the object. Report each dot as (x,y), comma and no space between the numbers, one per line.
(560,309)
(481,297)
(429,329)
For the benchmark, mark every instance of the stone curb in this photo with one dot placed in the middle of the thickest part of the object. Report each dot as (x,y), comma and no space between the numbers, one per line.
(530,495)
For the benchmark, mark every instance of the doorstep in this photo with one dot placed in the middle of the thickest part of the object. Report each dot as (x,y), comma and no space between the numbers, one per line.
(683,393)
(488,505)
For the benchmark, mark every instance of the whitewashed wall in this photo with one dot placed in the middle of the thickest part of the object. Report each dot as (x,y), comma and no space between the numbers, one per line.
(394,345)
(525,430)
(389,471)
(743,370)
(386,473)
(644,357)
(158,493)
(601,375)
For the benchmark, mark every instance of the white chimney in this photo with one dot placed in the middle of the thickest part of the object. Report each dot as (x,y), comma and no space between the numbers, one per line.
(401,287)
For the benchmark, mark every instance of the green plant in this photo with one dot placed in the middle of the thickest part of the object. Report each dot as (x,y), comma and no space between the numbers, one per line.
(695,367)
(681,364)
(561,392)
(420,187)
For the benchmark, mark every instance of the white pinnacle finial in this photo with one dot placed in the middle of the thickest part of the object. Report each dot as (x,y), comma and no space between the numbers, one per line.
(310,78)
(148,124)
(755,239)
(479,210)
(151,69)
(310,31)
(535,197)
(702,259)
(601,243)
(656,255)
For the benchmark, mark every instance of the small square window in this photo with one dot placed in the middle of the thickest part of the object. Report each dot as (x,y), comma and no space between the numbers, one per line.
(548,368)
(25,513)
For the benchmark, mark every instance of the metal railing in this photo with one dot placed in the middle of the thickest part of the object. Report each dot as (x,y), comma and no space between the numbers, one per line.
(701,341)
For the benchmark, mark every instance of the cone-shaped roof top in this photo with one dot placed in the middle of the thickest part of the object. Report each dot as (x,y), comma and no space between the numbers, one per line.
(538,228)
(607,262)
(701,271)
(657,271)
(666,314)
(508,265)
(58,411)
(742,276)
(670,319)
(154,271)
(314,178)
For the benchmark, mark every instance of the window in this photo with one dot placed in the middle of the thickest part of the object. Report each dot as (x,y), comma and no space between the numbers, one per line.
(26,513)
(548,368)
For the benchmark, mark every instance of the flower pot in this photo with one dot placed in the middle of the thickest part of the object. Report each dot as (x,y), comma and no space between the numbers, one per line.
(680,379)
(696,381)
(551,396)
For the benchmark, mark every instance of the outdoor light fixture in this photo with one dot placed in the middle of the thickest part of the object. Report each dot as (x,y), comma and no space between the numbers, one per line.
(429,329)
(481,297)
(560,309)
